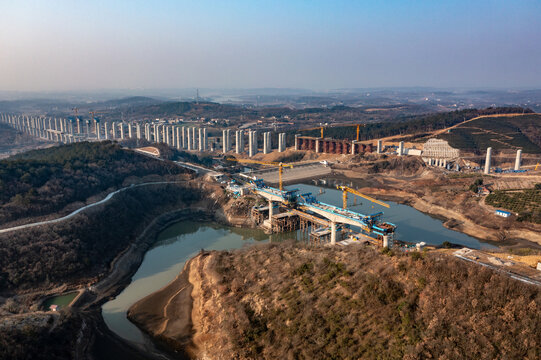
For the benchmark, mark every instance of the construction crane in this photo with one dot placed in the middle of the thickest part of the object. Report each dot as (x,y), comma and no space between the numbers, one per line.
(346,190)
(280,165)
(321,128)
(358,130)
(96,120)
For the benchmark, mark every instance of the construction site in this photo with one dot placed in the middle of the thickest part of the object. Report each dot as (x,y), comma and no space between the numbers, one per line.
(318,222)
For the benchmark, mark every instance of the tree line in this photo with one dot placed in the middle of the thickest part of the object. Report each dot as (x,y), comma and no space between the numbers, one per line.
(44,181)
(411,124)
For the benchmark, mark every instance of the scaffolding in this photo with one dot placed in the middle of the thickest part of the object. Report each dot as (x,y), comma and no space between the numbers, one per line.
(259,214)
(320,236)
(285,222)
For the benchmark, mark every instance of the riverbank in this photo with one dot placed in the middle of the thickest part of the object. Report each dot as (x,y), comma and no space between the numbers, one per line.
(93,338)
(455,220)
(213,207)
(166,313)
(452,206)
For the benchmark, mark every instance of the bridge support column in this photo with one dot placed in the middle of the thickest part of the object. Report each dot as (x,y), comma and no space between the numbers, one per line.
(270,212)
(333,233)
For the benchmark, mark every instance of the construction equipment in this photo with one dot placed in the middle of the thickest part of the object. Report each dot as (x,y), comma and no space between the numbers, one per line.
(536,166)
(346,190)
(95,119)
(358,129)
(76,111)
(93,113)
(279,164)
(321,128)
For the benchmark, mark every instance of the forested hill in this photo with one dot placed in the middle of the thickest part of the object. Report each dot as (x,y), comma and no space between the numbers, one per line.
(42,182)
(412,124)
(277,301)
(500,133)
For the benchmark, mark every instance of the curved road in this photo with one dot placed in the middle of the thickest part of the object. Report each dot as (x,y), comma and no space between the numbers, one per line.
(69,216)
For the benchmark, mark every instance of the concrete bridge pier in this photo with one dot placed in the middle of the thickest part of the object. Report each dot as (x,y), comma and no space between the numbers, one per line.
(190,142)
(270,212)
(180,141)
(333,233)
(518,159)
(194,139)
(401,148)
(488,160)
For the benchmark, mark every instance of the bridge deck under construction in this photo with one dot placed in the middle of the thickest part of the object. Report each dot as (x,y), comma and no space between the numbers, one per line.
(305,213)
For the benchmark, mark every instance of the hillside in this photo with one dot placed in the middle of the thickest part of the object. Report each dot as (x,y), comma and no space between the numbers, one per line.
(13,141)
(81,248)
(500,133)
(419,125)
(239,115)
(278,301)
(42,182)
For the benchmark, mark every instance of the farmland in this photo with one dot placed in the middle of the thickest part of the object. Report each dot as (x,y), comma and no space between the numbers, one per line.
(527,203)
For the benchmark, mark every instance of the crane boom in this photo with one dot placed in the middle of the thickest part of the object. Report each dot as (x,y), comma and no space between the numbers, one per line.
(266,163)
(346,190)
(321,128)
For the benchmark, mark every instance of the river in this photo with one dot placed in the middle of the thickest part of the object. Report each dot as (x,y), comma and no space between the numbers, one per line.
(179,242)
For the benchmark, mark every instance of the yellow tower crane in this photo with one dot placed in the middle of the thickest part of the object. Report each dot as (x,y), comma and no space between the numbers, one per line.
(358,129)
(321,128)
(93,119)
(280,165)
(346,190)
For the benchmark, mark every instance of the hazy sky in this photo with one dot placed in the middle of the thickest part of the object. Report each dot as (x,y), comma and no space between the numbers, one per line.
(121,44)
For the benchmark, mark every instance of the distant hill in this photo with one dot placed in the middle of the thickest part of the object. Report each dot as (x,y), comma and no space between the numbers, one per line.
(131,101)
(185,108)
(512,132)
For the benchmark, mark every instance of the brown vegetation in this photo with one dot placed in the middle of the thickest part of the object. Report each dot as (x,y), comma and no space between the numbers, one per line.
(280,301)
(82,247)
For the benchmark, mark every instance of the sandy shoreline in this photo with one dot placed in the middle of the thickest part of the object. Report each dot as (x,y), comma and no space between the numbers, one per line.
(166,313)
(174,315)
(460,223)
